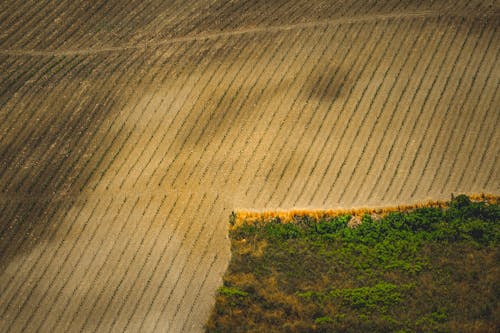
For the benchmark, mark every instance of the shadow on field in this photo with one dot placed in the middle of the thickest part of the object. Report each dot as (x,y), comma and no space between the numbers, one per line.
(327,87)
(319,91)
(42,150)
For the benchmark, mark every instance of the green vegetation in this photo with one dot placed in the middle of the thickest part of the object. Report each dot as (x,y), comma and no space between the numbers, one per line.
(227,291)
(427,270)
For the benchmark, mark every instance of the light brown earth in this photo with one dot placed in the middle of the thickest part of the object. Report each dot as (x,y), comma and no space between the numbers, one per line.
(129,130)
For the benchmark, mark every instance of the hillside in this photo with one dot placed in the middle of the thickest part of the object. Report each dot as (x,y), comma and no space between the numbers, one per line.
(130,130)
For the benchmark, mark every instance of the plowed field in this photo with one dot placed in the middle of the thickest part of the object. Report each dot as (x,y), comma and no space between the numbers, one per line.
(129,130)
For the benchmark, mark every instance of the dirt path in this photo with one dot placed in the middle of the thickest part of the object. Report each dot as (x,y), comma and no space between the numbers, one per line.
(256,30)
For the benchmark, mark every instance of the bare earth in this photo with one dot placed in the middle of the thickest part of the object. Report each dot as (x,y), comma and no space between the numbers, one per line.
(129,130)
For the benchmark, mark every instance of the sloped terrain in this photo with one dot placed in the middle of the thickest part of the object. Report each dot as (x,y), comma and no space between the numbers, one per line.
(130,130)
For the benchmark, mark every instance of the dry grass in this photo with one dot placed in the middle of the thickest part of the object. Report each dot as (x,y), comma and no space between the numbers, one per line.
(287,216)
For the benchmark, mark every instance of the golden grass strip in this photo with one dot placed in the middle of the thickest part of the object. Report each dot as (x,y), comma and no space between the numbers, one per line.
(248,217)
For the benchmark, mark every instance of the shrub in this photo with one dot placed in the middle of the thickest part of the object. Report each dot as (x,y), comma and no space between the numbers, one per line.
(230,292)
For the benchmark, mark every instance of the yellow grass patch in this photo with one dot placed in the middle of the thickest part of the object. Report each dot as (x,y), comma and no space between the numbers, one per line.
(286,216)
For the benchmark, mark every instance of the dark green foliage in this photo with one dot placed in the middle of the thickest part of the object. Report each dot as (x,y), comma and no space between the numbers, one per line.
(275,230)
(378,297)
(416,271)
